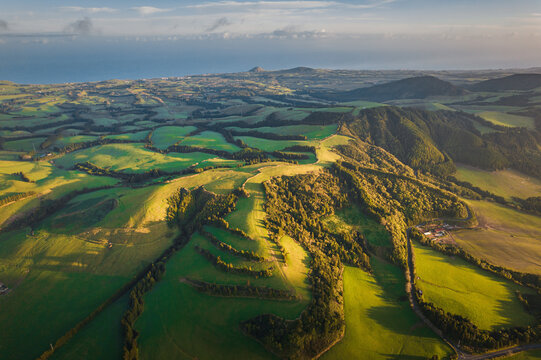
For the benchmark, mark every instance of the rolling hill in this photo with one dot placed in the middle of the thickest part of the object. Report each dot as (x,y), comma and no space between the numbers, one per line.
(512,82)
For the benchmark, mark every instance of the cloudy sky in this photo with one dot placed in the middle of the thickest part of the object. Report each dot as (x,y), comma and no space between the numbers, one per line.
(415,33)
(448,19)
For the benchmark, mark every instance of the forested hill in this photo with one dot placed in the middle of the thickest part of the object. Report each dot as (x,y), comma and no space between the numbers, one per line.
(433,141)
(419,87)
(512,82)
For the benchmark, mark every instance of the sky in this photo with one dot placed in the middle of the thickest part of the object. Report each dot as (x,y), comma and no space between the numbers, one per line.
(365,34)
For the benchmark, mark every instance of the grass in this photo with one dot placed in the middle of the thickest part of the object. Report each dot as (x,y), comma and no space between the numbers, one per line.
(507,183)
(140,135)
(312,132)
(505,119)
(461,288)
(101,339)
(74,139)
(24,145)
(297,267)
(379,321)
(165,136)
(505,237)
(133,158)
(352,218)
(210,140)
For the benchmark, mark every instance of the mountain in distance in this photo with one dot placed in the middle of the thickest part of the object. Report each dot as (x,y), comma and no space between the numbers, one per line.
(511,82)
(419,87)
(257,69)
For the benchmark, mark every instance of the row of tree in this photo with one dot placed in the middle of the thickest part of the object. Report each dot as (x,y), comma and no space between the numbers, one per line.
(248,255)
(227,267)
(251,291)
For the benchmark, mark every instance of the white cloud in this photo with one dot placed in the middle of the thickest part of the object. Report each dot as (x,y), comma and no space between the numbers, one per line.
(90,10)
(149,10)
(288,4)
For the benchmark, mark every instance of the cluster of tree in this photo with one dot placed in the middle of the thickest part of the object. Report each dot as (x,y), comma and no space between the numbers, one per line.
(249,255)
(532,204)
(6,199)
(190,210)
(22,176)
(295,206)
(289,156)
(301,148)
(227,267)
(241,290)
(526,279)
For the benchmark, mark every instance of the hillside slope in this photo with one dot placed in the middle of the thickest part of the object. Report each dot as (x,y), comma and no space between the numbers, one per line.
(512,82)
(419,87)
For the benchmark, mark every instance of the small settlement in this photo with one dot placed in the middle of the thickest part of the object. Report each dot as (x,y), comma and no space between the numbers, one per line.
(436,231)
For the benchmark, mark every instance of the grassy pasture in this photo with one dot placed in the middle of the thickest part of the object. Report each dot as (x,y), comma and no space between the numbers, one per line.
(101,339)
(505,119)
(506,183)
(461,288)
(165,136)
(140,135)
(210,140)
(131,158)
(312,132)
(379,322)
(504,237)
(67,140)
(24,144)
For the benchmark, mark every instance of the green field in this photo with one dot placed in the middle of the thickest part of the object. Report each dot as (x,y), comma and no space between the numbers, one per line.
(505,237)
(379,321)
(133,158)
(507,183)
(505,119)
(461,288)
(140,135)
(210,140)
(24,145)
(101,339)
(312,132)
(165,136)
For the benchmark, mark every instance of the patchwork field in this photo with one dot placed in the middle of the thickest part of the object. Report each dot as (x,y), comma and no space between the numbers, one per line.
(505,237)
(461,288)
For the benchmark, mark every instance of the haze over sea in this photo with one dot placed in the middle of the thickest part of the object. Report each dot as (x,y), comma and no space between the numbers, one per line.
(58,59)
